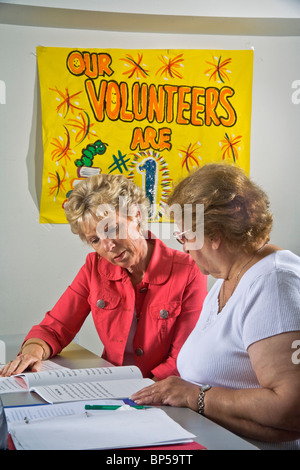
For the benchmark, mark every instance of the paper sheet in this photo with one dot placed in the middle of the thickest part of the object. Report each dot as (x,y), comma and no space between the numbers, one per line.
(34,412)
(103,430)
(11,385)
(64,375)
(91,390)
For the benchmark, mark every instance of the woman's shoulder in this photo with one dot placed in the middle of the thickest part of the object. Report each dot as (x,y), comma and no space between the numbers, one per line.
(177,256)
(93,261)
(92,258)
(279,260)
(281,267)
(287,260)
(184,258)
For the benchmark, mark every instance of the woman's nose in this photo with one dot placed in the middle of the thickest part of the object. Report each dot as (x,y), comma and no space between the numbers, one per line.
(108,244)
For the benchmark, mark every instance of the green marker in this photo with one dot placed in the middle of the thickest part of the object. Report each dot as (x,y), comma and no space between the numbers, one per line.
(111,407)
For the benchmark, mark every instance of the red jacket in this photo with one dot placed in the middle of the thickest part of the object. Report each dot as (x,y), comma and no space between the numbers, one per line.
(168,303)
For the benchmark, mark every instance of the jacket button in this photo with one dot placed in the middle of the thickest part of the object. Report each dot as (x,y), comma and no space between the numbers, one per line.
(139,352)
(100,303)
(163,314)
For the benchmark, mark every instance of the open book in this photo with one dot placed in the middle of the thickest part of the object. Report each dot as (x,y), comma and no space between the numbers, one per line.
(63,385)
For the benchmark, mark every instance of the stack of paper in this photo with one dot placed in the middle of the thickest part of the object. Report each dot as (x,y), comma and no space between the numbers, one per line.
(67,426)
(100,430)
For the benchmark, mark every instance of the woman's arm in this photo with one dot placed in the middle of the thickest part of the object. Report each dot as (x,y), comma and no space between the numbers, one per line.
(59,325)
(269,413)
(272,412)
(33,352)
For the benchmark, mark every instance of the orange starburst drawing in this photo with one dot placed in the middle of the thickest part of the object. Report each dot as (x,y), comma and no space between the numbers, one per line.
(170,66)
(58,182)
(66,101)
(83,123)
(189,156)
(62,147)
(137,68)
(218,71)
(229,147)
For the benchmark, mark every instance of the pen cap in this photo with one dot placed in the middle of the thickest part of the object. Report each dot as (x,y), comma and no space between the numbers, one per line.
(3,428)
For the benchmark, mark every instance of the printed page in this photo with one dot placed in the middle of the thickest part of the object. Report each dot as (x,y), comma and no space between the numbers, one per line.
(11,385)
(91,390)
(19,383)
(64,376)
(50,375)
(32,413)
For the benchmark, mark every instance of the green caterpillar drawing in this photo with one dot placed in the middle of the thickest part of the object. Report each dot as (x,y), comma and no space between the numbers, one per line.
(97,148)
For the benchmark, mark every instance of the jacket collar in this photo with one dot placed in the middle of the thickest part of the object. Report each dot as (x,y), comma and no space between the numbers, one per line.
(158,270)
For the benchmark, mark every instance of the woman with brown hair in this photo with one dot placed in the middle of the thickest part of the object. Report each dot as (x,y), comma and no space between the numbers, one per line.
(238,366)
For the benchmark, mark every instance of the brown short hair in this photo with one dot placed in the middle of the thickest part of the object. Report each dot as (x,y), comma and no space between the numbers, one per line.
(234,206)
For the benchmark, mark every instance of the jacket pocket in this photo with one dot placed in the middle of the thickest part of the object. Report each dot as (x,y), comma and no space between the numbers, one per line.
(105,308)
(104,300)
(164,316)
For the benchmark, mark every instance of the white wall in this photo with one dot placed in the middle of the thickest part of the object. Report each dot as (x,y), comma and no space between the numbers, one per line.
(38,261)
(213,8)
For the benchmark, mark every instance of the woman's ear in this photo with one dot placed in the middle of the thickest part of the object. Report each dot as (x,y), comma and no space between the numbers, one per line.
(216,241)
(135,213)
(139,217)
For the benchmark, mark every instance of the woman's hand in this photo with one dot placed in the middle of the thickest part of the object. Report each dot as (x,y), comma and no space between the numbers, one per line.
(172,391)
(21,363)
(31,357)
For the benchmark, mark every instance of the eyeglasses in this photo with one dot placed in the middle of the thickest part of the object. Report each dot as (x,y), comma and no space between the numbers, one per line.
(180,236)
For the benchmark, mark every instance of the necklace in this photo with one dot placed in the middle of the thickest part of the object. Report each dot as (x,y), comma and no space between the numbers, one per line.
(237,278)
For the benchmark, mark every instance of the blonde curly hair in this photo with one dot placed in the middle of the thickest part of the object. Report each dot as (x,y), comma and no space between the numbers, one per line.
(103,190)
(234,206)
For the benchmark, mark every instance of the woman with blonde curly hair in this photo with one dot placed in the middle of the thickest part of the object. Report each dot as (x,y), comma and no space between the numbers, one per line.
(239,366)
(145,298)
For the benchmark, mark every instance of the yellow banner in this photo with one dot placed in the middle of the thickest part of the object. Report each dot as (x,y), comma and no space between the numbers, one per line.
(152,115)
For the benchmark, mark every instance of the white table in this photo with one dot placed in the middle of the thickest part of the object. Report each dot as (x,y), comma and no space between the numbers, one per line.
(209,434)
